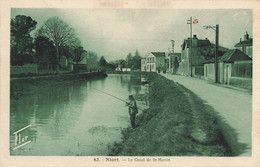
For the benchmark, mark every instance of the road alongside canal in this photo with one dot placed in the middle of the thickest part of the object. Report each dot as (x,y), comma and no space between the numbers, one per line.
(235,106)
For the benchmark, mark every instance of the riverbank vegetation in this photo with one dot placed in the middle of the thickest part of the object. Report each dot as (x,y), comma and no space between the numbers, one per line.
(177,123)
(54,47)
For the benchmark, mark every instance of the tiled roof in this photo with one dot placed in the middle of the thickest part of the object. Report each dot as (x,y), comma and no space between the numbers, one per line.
(234,55)
(203,42)
(158,54)
(200,43)
(245,43)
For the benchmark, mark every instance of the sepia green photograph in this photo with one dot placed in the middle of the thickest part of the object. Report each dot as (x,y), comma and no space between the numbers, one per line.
(131,82)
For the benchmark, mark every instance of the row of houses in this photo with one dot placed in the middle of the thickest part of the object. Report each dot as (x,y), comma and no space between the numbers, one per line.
(234,67)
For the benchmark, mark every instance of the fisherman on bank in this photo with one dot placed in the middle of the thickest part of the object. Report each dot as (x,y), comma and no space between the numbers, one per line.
(133,110)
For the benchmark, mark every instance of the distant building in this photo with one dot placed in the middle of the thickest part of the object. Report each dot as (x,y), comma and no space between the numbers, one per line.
(68,63)
(123,69)
(226,63)
(63,62)
(126,69)
(202,52)
(118,68)
(246,45)
(197,55)
(143,64)
(155,61)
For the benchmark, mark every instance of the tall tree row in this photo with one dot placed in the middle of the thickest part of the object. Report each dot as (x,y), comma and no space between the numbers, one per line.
(62,35)
(133,62)
(21,40)
(45,52)
(92,61)
(136,60)
(55,38)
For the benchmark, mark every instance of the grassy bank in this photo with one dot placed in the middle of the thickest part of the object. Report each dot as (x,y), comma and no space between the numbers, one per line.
(20,85)
(178,123)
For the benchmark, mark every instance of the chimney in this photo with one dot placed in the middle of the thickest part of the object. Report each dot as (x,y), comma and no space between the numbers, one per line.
(172,46)
(246,37)
(240,40)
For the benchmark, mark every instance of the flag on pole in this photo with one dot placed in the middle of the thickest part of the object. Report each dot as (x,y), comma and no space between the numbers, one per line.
(195,21)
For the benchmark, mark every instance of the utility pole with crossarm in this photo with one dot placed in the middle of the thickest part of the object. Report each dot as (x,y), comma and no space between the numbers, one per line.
(215,28)
(190,23)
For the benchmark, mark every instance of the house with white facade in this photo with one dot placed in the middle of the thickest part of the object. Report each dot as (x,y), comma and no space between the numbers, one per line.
(155,61)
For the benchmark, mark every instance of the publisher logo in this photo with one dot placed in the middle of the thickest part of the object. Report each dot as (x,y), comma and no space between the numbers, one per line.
(20,139)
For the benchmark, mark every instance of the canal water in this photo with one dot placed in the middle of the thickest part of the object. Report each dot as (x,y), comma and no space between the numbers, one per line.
(72,119)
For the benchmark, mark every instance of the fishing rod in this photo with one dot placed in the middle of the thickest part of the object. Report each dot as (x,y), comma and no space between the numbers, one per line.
(110,95)
(114,97)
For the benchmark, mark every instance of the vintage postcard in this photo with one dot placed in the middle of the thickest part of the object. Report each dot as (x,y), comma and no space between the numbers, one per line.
(129,83)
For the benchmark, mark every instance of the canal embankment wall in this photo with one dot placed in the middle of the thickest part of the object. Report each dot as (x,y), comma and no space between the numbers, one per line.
(18,85)
(177,123)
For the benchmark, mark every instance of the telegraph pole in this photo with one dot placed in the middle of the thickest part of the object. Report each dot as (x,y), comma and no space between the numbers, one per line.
(215,28)
(216,53)
(190,23)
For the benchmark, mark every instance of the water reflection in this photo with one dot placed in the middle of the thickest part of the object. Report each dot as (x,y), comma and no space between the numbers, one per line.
(72,119)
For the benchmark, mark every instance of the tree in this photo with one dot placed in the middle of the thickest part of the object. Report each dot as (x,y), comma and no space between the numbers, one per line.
(21,40)
(102,63)
(111,66)
(122,63)
(66,51)
(208,52)
(78,54)
(45,52)
(136,61)
(60,33)
(92,61)
(129,58)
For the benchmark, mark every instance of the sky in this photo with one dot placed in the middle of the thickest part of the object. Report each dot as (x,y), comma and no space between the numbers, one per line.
(113,33)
